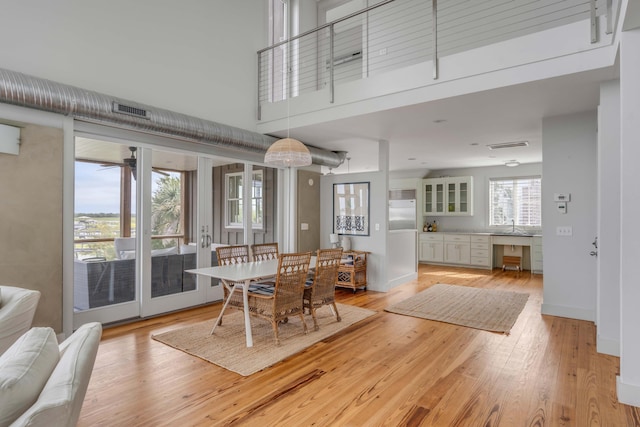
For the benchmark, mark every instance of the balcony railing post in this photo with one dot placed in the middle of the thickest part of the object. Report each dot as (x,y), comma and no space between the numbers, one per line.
(594,22)
(331,86)
(259,85)
(434,20)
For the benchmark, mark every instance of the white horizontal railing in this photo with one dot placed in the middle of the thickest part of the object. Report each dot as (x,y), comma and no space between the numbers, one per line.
(394,34)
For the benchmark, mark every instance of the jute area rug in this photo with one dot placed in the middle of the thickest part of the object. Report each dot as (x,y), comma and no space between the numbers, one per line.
(227,346)
(487,309)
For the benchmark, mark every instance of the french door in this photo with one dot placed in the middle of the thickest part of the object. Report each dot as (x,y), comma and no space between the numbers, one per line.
(142,216)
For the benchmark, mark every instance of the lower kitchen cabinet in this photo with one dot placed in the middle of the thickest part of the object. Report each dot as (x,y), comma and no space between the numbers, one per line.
(457,249)
(431,247)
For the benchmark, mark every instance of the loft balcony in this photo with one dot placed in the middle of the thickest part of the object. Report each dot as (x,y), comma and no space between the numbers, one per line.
(403,52)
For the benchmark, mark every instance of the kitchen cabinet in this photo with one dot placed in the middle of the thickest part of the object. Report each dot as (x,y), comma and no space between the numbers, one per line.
(448,196)
(431,247)
(433,192)
(457,248)
(481,252)
(536,254)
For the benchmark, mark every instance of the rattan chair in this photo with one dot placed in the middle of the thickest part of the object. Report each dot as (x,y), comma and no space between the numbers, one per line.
(264,251)
(321,289)
(287,293)
(232,255)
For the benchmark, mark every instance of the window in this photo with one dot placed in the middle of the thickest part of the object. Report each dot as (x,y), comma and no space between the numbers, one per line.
(233,203)
(515,199)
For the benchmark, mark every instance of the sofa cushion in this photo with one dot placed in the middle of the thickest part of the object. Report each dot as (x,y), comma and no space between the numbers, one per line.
(61,399)
(24,370)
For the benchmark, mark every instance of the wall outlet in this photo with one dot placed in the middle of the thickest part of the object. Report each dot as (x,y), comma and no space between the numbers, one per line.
(304,226)
(565,230)
(382,51)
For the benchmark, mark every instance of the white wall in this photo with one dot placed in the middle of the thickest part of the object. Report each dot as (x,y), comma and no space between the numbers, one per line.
(629,379)
(569,150)
(376,242)
(608,297)
(480,219)
(196,58)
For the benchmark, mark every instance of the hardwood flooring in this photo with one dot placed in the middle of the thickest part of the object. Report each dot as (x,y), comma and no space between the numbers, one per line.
(388,370)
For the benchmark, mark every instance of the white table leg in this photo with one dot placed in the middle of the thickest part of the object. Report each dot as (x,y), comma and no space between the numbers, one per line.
(247,318)
(224,306)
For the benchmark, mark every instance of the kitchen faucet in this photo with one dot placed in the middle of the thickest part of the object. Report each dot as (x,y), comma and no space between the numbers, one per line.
(513,225)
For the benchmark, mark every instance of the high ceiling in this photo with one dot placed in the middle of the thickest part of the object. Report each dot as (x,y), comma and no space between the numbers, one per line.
(455,132)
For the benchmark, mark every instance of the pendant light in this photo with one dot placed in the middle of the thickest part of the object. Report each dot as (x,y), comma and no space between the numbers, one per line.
(288,152)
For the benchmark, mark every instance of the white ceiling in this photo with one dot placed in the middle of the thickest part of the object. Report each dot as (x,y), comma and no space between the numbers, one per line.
(455,132)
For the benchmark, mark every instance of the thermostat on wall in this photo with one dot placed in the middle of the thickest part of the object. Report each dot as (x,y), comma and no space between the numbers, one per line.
(561,197)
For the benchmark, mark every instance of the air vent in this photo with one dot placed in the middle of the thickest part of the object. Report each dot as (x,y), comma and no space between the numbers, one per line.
(513,144)
(131,111)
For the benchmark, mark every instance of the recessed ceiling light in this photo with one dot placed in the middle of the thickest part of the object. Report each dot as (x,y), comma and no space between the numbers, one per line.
(440,121)
(411,158)
(512,163)
(474,143)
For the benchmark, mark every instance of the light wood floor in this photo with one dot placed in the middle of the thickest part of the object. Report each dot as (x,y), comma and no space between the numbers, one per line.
(387,370)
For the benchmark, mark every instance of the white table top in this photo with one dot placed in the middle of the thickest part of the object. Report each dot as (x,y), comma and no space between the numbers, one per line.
(245,271)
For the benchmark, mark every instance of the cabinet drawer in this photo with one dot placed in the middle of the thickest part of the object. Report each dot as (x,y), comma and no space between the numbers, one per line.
(431,237)
(478,260)
(480,239)
(480,253)
(464,238)
(480,245)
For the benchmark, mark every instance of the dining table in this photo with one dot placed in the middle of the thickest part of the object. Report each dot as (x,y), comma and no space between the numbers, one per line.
(242,275)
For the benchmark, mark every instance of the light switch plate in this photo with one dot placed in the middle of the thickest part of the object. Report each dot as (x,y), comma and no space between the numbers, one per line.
(564,230)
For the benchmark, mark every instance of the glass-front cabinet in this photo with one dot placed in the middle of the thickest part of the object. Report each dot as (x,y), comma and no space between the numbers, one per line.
(448,196)
(434,196)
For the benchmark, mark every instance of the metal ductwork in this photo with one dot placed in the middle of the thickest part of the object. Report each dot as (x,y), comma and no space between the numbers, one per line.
(33,92)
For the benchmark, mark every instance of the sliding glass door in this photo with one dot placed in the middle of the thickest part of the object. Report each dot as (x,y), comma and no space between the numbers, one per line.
(142,216)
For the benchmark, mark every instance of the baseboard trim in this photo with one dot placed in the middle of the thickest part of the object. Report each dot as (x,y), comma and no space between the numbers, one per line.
(402,280)
(568,312)
(607,346)
(628,394)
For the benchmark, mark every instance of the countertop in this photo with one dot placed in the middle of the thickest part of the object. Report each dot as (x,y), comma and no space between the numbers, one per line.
(486,233)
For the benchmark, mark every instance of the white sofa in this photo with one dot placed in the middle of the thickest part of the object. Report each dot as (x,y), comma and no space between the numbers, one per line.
(17,307)
(43,383)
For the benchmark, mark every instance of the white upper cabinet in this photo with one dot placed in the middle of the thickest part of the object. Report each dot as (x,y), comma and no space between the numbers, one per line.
(448,196)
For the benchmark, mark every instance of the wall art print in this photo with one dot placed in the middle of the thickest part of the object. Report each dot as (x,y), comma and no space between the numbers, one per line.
(351,208)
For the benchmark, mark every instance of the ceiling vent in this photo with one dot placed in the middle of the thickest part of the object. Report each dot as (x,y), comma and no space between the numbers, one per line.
(513,144)
(131,111)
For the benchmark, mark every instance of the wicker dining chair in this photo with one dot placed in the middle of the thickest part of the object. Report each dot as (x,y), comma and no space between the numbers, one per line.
(232,255)
(286,299)
(264,251)
(321,289)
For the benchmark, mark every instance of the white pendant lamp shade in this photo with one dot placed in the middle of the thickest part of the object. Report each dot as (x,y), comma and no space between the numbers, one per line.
(288,152)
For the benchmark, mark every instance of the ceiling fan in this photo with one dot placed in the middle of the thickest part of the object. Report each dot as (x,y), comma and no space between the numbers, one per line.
(132,163)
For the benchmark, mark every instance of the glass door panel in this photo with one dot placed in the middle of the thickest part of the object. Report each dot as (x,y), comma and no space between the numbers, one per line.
(463,197)
(439,197)
(451,197)
(105,285)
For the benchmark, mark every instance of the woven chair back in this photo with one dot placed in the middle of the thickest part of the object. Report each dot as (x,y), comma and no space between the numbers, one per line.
(264,251)
(232,254)
(326,274)
(292,273)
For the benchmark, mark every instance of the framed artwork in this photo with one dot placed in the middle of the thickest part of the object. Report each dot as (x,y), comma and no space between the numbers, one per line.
(351,208)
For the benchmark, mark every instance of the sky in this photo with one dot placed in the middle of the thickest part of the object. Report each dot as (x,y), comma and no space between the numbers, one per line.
(97,189)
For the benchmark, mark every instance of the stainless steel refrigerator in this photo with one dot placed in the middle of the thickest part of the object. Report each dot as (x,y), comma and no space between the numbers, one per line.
(402,215)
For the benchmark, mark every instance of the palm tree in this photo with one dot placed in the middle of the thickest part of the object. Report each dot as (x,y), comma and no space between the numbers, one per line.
(166,206)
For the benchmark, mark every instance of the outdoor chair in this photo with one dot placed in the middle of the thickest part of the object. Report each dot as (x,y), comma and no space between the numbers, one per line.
(286,299)
(320,290)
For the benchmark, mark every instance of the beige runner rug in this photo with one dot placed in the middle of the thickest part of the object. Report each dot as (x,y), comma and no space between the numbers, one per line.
(227,346)
(488,309)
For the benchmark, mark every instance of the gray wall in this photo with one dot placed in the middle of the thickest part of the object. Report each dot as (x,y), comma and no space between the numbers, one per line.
(569,148)
(308,211)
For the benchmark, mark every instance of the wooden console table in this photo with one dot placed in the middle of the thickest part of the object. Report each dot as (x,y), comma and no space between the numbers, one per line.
(352,272)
